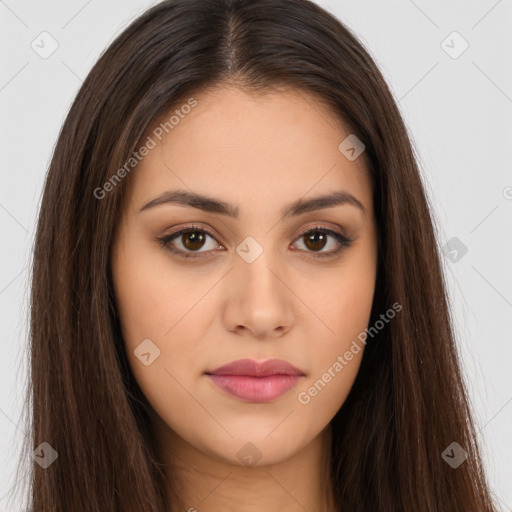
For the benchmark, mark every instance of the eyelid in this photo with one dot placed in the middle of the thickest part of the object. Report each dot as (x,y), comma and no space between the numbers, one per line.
(341,238)
(166,239)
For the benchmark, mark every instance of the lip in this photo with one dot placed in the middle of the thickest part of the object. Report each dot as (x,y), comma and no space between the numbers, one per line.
(255,381)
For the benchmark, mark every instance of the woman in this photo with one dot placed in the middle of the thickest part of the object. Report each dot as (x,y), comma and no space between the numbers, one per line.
(237,297)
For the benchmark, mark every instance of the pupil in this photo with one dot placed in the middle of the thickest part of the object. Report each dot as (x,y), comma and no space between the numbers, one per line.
(196,240)
(314,238)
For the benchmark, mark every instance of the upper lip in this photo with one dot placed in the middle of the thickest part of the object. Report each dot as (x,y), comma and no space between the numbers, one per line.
(253,368)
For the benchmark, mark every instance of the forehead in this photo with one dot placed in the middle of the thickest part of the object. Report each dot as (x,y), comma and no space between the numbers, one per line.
(250,149)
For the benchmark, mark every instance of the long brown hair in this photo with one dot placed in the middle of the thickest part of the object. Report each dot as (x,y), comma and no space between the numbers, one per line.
(408,403)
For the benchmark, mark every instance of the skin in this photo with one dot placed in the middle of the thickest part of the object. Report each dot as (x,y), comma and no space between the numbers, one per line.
(258,153)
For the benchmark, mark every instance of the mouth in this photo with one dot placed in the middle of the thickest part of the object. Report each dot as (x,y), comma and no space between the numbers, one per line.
(254,381)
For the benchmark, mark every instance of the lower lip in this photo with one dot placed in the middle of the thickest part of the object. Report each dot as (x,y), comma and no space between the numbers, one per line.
(256,389)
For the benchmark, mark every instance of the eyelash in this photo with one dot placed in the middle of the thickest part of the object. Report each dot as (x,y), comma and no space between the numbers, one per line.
(164,241)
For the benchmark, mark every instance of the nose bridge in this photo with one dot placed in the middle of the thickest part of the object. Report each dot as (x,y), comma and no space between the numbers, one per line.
(259,299)
(256,266)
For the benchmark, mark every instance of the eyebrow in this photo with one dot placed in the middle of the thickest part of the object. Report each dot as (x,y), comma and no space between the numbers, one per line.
(212,205)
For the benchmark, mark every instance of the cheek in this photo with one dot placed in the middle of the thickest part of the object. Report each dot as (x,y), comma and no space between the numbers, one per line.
(348,313)
(335,361)
(343,303)
(344,306)
(161,315)
(153,298)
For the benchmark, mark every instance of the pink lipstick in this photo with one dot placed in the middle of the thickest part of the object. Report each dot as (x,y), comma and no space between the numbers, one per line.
(255,381)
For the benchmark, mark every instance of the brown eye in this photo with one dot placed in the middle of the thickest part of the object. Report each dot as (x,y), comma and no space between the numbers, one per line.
(189,242)
(193,240)
(317,239)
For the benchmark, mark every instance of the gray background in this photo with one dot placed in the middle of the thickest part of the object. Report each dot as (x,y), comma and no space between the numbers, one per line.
(459,114)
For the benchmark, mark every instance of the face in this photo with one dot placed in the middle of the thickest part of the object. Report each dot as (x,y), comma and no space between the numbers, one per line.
(261,272)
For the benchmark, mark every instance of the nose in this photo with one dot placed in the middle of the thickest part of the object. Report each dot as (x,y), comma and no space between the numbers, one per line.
(258,298)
